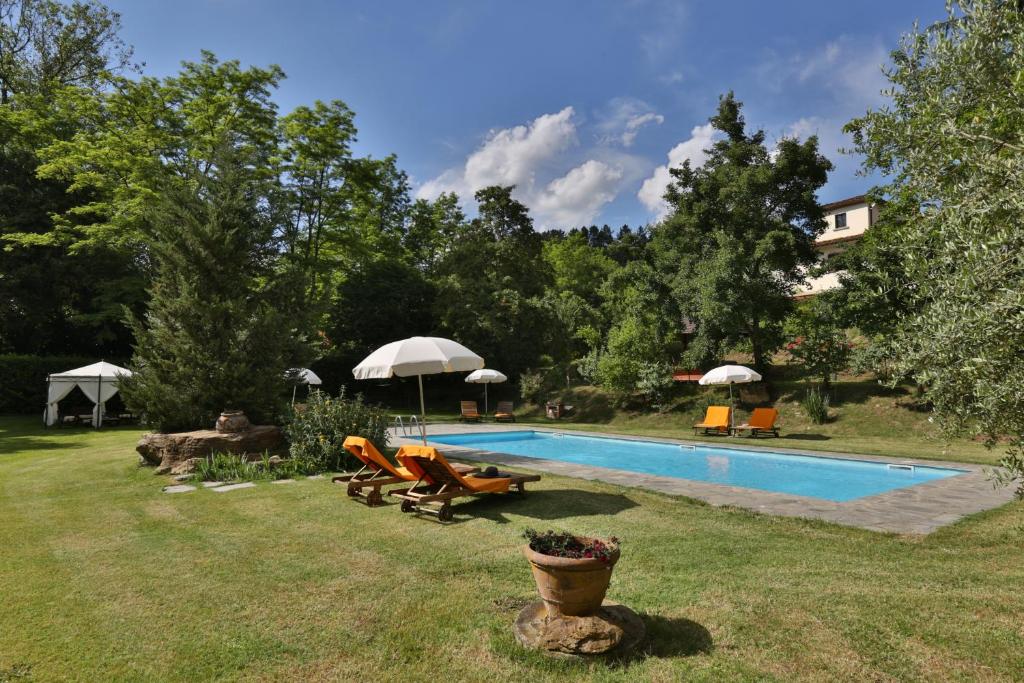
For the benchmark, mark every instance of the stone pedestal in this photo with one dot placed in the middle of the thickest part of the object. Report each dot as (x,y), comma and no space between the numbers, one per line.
(176,453)
(614,630)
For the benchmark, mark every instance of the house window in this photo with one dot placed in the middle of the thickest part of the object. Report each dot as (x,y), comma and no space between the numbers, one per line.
(840,221)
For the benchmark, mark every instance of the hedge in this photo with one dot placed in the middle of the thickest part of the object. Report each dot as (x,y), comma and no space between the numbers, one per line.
(23,379)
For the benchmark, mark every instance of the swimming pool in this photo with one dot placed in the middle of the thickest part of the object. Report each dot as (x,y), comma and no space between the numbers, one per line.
(802,475)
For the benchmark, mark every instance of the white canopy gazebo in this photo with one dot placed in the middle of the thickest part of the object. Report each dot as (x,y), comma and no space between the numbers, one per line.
(98,382)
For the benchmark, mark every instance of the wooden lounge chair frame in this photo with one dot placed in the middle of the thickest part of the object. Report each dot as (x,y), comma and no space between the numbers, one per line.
(773,429)
(504,412)
(470,412)
(714,427)
(377,471)
(439,483)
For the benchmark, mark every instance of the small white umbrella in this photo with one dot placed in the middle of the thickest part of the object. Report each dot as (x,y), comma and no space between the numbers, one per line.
(730,374)
(418,356)
(486,377)
(302,376)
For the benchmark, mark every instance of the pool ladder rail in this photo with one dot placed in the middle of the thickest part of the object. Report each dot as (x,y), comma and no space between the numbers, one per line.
(411,429)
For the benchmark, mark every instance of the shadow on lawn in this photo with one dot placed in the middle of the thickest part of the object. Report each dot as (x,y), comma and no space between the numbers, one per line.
(676,637)
(549,504)
(17,444)
(806,437)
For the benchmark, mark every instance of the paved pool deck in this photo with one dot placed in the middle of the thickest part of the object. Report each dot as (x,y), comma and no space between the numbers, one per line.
(918,509)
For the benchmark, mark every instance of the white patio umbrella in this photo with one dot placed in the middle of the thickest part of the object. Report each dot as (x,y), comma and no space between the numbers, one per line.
(302,376)
(418,356)
(486,377)
(730,374)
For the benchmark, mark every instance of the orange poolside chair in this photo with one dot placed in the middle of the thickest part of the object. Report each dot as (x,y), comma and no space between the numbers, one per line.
(376,471)
(469,412)
(761,420)
(439,482)
(716,421)
(504,412)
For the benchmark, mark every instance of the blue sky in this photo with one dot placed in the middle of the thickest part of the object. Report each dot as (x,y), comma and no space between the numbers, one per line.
(582,105)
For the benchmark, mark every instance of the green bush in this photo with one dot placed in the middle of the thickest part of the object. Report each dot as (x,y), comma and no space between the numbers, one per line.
(23,379)
(816,402)
(317,430)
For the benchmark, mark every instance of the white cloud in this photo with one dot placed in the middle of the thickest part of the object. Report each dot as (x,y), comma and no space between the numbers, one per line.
(634,125)
(578,197)
(653,189)
(623,117)
(509,156)
(522,155)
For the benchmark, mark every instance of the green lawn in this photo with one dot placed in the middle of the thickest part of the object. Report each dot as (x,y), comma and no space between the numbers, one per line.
(103,577)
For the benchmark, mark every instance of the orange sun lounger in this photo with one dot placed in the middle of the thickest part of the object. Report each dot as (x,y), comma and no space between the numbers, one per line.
(761,420)
(470,413)
(504,412)
(377,471)
(439,482)
(716,421)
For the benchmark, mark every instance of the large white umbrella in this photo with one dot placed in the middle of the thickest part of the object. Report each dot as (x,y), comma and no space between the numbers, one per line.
(418,356)
(486,377)
(302,376)
(730,374)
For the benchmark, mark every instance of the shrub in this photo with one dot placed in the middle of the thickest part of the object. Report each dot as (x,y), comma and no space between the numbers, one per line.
(564,544)
(316,432)
(532,387)
(234,467)
(816,403)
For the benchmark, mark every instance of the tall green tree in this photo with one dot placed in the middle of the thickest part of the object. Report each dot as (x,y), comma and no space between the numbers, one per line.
(219,331)
(951,148)
(45,45)
(740,235)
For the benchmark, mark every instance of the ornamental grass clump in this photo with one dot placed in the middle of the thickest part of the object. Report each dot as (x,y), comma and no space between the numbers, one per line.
(564,544)
(816,402)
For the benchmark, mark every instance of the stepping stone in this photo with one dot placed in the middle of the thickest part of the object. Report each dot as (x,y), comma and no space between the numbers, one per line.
(183,477)
(315,476)
(212,484)
(179,488)
(232,487)
(283,481)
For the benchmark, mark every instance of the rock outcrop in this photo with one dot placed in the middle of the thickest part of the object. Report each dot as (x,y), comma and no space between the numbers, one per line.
(177,453)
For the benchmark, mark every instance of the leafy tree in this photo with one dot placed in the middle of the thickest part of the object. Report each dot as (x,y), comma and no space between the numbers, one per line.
(219,332)
(819,342)
(317,163)
(740,235)
(951,149)
(577,267)
(46,44)
(434,229)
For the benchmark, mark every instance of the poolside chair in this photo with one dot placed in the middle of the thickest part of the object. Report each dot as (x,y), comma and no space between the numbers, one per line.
(377,471)
(439,482)
(503,413)
(469,412)
(761,420)
(716,421)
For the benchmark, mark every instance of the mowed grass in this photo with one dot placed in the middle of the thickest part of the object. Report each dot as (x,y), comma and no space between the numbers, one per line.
(103,577)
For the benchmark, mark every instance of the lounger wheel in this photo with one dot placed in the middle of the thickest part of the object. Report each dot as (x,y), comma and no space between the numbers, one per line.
(445,514)
(408,506)
(352,491)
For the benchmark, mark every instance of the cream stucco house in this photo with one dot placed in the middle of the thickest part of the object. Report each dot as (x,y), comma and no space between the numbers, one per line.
(847,220)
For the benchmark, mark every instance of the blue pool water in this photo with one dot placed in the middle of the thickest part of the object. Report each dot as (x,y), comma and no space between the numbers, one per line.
(802,475)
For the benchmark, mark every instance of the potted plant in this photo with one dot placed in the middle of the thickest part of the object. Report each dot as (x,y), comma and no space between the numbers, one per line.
(572,572)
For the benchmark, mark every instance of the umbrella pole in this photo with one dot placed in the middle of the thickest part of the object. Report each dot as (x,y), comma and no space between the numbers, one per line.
(485,398)
(423,413)
(294,388)
(732,411)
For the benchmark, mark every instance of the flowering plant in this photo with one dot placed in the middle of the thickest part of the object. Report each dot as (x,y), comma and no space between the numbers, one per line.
(564,544)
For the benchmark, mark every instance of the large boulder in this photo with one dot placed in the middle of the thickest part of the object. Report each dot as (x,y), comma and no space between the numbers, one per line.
(177,453)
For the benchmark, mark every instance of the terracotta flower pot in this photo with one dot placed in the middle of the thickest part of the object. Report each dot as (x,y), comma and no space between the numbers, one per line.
(570,587)
(232,421)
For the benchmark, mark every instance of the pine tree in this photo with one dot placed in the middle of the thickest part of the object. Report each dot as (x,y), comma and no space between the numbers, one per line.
(219,333)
